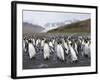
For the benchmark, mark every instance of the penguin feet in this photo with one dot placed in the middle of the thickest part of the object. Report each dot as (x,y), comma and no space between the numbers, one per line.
(86,55)
(33,58)
(46,59)
(62,60)
(75,61)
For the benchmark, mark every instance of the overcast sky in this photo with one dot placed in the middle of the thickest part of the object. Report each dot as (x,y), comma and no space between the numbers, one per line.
(41,18)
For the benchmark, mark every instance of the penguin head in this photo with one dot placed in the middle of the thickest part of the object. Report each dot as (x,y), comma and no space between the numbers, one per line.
(66,40)
(30,41)
(42,38)
(86,40)
(59,41)
(46,41)
(71,44)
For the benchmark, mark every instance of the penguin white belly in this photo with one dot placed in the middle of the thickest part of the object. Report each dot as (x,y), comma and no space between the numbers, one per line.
(53,42)
(73,54)
(50,44)
(86,49)
(60,52)
(36,42)
(46,51)
(33,41)
(42,43)
(32,51)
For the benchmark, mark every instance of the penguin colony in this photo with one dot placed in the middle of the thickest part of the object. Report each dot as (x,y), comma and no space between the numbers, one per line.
(61,46)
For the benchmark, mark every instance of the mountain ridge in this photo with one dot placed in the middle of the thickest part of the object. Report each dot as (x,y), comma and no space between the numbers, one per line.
(77,27)
(31,28)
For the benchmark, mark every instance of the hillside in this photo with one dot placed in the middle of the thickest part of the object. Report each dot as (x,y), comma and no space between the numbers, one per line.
(31,28)
(78,27)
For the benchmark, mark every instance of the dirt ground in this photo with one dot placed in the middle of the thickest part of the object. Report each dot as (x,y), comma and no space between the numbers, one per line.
(53,62)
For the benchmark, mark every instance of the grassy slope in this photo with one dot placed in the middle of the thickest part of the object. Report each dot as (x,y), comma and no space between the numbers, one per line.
(79,27)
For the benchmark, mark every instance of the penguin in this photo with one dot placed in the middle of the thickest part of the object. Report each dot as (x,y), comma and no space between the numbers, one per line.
(53,41)
(60,51)
(51,46)
(42,42)
(75,47)
(32,51)
(38,42)
(82,47)
(86,49)
(79,42)
(55,46)
(33,40)
(73,54)
(66,47)
(23,45)
(46,50)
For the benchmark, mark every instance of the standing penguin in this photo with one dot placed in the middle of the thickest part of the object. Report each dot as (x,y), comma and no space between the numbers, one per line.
(24,49)
(33,40)
(26,45)
(75,47)
(38,41)
(79,44)
(42,42)
(53,41)
(51,46)
(38,45)
(55,46)
(32,51)
(73,53)
(60,51)
(66,47)
(82,47)
(86,49)
(46,50)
